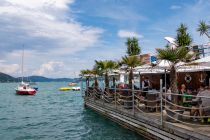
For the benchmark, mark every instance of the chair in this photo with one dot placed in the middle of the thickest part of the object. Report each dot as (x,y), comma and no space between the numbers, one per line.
(151,105)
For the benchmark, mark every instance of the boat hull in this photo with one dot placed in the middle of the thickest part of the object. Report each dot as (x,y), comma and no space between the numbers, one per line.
(22,92)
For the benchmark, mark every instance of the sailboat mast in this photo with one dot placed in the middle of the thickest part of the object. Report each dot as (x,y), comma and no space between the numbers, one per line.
(22,63)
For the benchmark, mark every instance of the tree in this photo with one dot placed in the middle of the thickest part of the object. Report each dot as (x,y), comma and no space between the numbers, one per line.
(131,62)
(88,73)
(105,67)
(133,46)
(174,56)
(183,38)
(203,28)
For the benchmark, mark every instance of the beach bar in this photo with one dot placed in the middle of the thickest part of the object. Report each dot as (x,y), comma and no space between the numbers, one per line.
(153,115)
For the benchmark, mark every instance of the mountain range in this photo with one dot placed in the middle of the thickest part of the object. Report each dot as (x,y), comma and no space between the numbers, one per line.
(7,78)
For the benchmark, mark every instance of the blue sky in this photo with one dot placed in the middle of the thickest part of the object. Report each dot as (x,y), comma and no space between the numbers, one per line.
(61,37)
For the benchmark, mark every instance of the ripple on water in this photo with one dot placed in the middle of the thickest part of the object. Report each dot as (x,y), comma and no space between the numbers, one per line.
(53,115)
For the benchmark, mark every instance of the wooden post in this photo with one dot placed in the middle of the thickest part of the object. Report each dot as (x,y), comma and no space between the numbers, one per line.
(81,87)
(209,82)
(115,97)
(161,101)
(103,90)
(133,101)
(165,87)
(139,80)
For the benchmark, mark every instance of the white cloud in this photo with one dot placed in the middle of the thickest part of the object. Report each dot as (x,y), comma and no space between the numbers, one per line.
(126,34)
(49,67)
(48,30)
(44,23)
(9,68)
(175,7)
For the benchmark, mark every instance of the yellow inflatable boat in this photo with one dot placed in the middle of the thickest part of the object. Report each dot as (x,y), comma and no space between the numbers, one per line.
(65,88)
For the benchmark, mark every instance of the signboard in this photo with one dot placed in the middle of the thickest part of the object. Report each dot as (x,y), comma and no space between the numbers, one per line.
(153,58)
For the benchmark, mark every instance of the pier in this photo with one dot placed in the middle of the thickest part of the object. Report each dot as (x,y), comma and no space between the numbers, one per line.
(153,119)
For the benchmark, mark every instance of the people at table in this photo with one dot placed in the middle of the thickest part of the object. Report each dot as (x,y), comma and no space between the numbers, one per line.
(204,101)
(145,86)
(184,97)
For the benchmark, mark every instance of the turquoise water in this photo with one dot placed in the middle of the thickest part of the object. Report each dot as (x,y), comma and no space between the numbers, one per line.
(53,115)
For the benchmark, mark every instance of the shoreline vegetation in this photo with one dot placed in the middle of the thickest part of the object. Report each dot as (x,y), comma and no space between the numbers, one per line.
(5,78)
(174,53)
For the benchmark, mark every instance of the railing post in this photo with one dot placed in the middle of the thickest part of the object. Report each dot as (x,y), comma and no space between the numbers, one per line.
(103,93)
(133,101)
(161,101)
(81,87)
(115,97)
(209,82)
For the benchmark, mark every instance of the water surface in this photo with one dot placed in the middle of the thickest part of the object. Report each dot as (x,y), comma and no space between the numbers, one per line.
(53,115)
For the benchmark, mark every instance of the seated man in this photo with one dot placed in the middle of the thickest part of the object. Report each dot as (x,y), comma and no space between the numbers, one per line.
(202,101)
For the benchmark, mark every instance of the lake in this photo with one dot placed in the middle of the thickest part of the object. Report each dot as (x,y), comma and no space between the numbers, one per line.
(53,115)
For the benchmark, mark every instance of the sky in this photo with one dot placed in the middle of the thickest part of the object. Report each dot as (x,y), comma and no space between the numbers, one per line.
(61,37)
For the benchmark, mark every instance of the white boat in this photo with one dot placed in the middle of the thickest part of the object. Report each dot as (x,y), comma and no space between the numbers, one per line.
(24,88)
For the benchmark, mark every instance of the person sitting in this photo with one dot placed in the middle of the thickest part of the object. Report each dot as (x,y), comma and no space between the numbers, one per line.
(145,86)
(203,101)
(181,92)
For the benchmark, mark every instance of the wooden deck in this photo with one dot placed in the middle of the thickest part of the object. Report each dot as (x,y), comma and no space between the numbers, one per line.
(148,124)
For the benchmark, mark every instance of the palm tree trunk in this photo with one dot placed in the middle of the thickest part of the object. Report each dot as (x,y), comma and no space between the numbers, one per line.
(96,83)
(130,78)
(174,89)
(173,83)
(87,81)
(114,82)
(207,35)
(106,81)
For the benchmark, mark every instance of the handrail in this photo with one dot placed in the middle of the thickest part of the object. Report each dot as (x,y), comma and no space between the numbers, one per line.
(147,100)
(189,95)
(119,99)
(186,115)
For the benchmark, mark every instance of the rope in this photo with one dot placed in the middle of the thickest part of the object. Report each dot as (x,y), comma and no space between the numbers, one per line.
(107,100)
(124,96)
(107,96)
(126,101)
(155,106)
(185,107)
(187,115)
(184,122)
(208,97)
(147,100)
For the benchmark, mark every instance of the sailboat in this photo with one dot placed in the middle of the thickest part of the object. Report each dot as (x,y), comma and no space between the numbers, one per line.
(24,88)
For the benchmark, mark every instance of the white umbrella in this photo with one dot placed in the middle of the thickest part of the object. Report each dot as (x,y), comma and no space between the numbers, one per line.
(203,60)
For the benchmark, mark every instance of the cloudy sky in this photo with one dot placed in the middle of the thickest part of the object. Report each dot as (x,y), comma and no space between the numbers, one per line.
(61,37)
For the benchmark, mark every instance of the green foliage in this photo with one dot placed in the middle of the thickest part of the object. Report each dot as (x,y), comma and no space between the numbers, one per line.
(183,38)
(131,61)
(175,55)
(203,28)
(133,46)
(85,72)
(106,65)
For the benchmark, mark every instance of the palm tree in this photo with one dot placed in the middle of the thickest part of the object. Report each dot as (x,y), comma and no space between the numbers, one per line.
(96,72)
(183,38)
(174,56)
(133,46)
(131,62)
(106,66)
(203,28)
(86,72)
